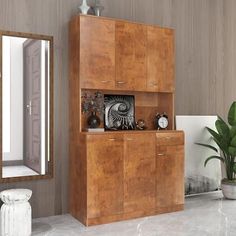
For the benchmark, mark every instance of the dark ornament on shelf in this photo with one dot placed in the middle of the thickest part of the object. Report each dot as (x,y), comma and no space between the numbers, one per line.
(161,121)
(119,112)
(140,124)
(93,120)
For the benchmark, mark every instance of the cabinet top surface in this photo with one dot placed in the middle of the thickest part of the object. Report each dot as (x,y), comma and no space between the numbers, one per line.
(120,20)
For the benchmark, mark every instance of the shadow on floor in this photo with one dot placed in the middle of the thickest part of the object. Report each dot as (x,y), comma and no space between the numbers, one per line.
(39,228)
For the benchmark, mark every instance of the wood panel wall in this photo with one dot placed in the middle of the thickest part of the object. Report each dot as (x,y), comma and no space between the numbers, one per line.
(205,65)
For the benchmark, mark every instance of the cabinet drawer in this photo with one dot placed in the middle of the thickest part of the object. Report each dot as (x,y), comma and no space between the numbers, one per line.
(173,138)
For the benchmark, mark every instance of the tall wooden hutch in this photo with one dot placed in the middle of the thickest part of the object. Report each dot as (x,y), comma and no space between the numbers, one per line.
(116,175)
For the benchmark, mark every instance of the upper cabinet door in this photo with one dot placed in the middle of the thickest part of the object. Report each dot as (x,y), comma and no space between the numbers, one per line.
(160,62)
(97,53)
(131,63)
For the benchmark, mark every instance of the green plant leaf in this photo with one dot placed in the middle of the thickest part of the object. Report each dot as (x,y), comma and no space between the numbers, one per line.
(214,134)
(222,144)
(232,151)
(232,131)
(232,114)
(223,130)
(213,157)
(234,168)
(208,146)
(233,141)
(222,127)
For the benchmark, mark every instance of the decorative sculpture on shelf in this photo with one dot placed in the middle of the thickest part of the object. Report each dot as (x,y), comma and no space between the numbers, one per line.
(98,8)
(119,112)
(140,124)
(84,7)
(93,104)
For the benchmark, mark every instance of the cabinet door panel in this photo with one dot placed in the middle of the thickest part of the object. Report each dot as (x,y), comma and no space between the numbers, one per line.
(97,53)
(139,172)
(160,59)
(169,176)
(131,68)
(105,175)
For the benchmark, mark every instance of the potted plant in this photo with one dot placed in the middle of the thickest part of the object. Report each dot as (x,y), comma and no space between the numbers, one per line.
(225,138)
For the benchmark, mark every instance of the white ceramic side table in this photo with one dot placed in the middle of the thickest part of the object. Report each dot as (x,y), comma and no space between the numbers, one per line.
(15,213)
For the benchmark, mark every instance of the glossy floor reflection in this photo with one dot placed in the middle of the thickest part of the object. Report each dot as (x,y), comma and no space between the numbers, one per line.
(208,214)
(16,171)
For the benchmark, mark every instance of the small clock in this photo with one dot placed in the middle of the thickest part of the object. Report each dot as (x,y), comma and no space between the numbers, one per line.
(161,121)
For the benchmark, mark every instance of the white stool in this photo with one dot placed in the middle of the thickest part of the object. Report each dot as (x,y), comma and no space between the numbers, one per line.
(15,214)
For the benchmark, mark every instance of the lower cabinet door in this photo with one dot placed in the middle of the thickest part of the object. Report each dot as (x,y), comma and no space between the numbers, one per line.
(104,175)
(169,176)
(139,172)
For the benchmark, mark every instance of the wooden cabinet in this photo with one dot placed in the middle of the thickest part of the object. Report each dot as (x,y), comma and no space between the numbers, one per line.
(97,53)
(119,55)
(131,56)
(160,59)
(125,175)
(169,172)
(118,175)
(139,172)
(105,175)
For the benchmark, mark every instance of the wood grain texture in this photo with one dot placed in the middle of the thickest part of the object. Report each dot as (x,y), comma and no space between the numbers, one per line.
(139,172)
(131,53)
(160,59)
(205,65)
(169,176)
(97,52)
(105,175)
(122,175)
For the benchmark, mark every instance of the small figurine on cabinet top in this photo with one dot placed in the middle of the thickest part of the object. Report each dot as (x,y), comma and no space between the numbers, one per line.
(140,124)
(161,121)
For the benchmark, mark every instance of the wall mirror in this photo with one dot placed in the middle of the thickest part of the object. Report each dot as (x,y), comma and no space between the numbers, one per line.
(26,106)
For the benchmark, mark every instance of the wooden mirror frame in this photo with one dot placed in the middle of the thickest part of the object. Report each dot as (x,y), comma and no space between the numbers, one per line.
(51,97)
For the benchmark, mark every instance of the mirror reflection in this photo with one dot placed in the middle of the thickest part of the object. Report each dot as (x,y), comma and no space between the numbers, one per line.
(25,106)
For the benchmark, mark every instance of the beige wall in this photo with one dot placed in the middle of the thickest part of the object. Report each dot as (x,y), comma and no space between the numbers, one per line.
(205,64)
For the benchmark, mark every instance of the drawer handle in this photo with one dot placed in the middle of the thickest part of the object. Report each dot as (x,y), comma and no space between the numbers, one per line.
(161,154)
(129,139)
(112,139)
(105,81)
(154,84)
(121,82)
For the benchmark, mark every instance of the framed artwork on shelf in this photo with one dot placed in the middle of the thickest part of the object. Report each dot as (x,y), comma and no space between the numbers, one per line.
(119,112)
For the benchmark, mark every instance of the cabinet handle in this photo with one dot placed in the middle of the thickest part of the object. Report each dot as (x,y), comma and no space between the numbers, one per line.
(105,81)
(154,84)
(129,139)
(160,154)
(121,82)
(112,139)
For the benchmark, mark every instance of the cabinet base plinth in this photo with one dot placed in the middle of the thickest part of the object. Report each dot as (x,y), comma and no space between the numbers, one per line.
(131,215)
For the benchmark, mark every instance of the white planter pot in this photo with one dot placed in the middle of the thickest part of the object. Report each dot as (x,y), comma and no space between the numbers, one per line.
(229,190)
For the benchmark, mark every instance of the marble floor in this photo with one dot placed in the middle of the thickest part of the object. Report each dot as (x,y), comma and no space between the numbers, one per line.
(207,214)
